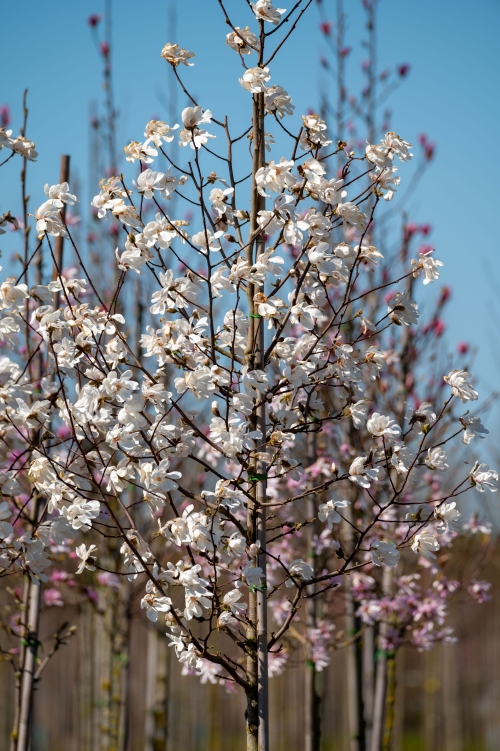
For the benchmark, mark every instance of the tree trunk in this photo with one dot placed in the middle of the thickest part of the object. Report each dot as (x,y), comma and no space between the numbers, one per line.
(354,653)
(381,674)
(29,667)
(156,714)
(368,680)
(257,713)
(390,698)
(312,718)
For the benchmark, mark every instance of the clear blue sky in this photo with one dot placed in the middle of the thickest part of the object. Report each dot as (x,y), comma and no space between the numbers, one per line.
(452,94)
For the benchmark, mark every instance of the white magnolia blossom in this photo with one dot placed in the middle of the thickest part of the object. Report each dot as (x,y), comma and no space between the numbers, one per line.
(472,426)
(157,132)
(448,517)
(402,310)
(18,144)
(426,545)
(243,41)
(421,418)
(460,387)
(254,79)
(362,476)
(436,459)
(86,557)
(59,195)
(358,413)
(382,425)
(265,11)
(428,266)
(299,570)
(483,478)
(6,529)
(384,553)
(327,512)
(192,134)
(352,214)
(278,101)
(175,55)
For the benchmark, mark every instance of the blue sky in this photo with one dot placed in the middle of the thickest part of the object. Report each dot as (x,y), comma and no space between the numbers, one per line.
(451,94)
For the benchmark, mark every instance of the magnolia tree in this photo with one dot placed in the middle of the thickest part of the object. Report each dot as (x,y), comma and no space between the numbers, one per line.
(263,351)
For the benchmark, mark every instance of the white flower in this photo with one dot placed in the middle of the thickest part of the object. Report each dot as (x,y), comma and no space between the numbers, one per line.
(384,553)
(331,191)
(194,116)
(206,241)
(421,418)
(360,475)
(256,382)
(19,145)
(402,310)
(199,382)
(278,101)
(32,416)
(299,569)
(448,517)
(357,412)
(418,512)
(231,601)
(428,265)
(155,604)
(398,146)
(218,198)
(85,554)
(379,155)
(175,56)
(352,214)
(457,379)
(255,79)
(425,545)
(381,425)
(484,478)
(191,134)
(401,458)
(118,476)
(148,181)
(226,620)
(6,529)
(314,132)
(243,41)
(327,512)
(264,11)
(80,513)
(48,221)
(436,459)
(189,658)
(59,194)
(472,426)
(156,477)
(13,295)
(252,574)
(142,152)
(157,130)
(275,177)
(178,529)
(385,179)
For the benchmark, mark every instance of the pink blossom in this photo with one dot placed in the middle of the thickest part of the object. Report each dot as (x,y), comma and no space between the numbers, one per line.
(52,597)
(478,590)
